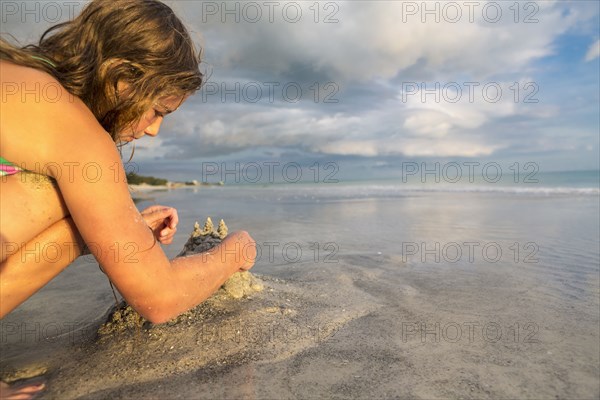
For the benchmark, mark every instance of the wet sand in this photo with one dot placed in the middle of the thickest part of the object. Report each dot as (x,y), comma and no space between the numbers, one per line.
(359,335)
(220,335)
(371,324)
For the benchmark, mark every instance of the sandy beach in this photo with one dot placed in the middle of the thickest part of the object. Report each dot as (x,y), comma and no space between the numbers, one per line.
(368,323)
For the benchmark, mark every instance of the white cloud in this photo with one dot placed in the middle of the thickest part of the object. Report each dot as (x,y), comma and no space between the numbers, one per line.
(593,52)
(371,39)
(395,128)
(409,148)
(437,110)
(367,148)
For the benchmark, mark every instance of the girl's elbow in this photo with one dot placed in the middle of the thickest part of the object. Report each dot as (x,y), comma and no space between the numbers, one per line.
(159,312)
(157,318)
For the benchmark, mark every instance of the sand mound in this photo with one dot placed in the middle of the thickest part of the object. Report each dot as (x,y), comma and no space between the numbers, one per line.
(124,318)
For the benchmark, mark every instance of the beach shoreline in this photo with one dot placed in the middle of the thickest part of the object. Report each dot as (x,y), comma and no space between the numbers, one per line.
(145,187)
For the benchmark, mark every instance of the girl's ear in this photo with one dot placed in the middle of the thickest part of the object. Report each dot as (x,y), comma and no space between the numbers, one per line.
(108,72)
(124,71)
(122,88)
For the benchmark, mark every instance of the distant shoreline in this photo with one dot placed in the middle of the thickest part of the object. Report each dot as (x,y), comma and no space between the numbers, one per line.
(144,183)
(144,187)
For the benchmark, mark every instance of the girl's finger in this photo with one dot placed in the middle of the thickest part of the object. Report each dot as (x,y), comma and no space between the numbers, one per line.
(174,219)
(167,232)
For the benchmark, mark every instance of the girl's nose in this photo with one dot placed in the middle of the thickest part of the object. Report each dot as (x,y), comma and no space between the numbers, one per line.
(153,128)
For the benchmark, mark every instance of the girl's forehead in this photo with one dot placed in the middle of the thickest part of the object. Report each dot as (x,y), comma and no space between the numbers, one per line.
(171,102)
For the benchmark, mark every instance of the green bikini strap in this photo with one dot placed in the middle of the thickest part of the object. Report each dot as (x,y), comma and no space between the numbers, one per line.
(45,60)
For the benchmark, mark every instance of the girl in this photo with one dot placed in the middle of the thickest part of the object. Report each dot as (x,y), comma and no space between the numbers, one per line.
(114,72)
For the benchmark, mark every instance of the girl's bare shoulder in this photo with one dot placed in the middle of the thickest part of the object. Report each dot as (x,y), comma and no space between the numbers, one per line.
(38,94)
(41,120)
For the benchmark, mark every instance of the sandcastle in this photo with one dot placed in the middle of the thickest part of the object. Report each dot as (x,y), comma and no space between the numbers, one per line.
(240,284)
(205,239)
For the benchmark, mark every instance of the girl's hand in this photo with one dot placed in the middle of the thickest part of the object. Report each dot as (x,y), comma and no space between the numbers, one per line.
(245,246)
(162,221)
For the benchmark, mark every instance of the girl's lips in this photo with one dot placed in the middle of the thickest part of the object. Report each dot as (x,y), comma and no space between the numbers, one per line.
(127,139)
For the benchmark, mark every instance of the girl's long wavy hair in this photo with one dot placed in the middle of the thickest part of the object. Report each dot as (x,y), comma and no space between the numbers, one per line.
(138,42)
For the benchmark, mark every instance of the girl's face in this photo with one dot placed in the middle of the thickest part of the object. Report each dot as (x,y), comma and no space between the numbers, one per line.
(149,123)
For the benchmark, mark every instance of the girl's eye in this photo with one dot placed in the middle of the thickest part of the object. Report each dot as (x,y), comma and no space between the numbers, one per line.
(158,113)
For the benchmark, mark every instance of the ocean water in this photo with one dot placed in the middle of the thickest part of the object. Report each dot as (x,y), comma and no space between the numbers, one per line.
(522,261)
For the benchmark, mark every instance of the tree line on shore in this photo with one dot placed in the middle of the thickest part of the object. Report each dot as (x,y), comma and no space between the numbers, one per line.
(135,179)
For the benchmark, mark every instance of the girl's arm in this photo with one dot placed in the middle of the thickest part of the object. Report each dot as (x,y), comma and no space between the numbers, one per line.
(118,236)
(20,278)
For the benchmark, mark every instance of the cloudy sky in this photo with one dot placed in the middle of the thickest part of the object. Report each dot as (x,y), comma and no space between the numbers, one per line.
(370,85)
